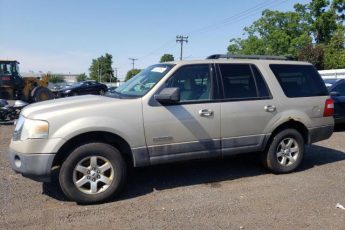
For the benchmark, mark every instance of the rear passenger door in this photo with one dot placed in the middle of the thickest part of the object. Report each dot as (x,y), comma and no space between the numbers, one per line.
(246,109)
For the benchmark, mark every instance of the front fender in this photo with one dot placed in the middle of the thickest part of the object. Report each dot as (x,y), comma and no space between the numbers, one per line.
(131,132)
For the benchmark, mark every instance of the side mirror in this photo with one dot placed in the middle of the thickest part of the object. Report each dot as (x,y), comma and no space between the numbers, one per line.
(168,96)
(334,94)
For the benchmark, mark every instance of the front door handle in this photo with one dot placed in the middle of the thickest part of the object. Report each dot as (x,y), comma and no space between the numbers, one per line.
(270,108)
(205,112)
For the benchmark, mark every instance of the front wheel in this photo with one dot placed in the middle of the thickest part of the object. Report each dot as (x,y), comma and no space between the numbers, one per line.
(92,173)
(285,152)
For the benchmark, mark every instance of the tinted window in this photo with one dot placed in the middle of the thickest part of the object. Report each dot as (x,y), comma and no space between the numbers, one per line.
(299,80)
(238,81)
(194,82)
(260,82)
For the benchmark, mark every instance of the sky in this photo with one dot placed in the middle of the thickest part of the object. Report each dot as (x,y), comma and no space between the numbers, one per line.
(63,36)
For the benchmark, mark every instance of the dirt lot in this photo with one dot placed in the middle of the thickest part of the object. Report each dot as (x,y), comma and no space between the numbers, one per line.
(235,193)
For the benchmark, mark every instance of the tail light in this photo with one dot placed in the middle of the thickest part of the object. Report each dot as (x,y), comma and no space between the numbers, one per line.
(329,108)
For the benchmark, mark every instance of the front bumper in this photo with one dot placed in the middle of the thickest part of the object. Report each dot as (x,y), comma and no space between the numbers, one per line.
(34,166)
(320,133)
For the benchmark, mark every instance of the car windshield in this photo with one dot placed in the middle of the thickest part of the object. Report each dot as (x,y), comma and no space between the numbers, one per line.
(141,83)
(330,82)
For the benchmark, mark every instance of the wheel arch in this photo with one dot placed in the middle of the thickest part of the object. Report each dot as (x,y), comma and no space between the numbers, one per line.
(290,124)
(94,136)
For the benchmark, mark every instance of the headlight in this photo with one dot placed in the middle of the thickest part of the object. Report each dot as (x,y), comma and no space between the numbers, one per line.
(30,129)
(67,91)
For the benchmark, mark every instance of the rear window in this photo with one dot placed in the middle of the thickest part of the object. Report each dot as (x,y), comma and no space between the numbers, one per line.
(299,80)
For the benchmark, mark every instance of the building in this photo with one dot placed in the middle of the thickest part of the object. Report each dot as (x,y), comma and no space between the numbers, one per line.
(332,74)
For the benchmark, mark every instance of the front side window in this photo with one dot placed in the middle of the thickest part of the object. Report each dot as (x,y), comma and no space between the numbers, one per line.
(194,82)
(141,83)
(299,80)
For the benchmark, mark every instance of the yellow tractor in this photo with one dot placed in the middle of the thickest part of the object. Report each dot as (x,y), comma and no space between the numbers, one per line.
(14,86)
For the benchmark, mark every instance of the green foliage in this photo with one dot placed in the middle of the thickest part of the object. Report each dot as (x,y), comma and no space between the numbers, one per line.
(56,78)
(275,33)
(101,70)
(312,54)
(131,74)
(81,77)
(335,51)
(167,58)
(292,33)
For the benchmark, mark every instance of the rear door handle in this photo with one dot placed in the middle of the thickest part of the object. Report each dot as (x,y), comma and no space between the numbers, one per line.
(205,112)
(270,108)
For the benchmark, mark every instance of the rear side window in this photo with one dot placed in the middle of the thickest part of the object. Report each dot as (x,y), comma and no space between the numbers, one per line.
(299,80)
(260,82)
(242,81)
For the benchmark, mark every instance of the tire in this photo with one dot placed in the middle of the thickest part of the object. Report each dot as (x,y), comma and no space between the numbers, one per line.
(285,152)
(101,92)
(42,94)
(88,184)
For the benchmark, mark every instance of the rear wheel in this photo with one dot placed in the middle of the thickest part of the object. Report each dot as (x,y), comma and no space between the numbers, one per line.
(285,152)
(92,173)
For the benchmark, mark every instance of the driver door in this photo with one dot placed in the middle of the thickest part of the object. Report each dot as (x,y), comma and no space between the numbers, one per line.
(190,129)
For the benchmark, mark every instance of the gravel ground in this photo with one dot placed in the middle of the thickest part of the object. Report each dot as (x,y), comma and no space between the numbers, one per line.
(235,193)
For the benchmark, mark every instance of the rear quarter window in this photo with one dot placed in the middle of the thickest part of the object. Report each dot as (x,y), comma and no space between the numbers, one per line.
(299,80)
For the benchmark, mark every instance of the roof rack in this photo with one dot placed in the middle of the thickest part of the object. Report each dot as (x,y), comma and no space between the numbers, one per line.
(240,56)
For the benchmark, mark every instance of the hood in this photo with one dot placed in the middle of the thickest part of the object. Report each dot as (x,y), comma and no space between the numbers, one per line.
(64,106)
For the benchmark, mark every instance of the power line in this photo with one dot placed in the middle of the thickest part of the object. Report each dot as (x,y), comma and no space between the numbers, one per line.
(181,39)
(224,22)
(133,60)
(244,13)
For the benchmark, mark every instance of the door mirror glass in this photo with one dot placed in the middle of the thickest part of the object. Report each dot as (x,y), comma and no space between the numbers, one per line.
(168,96)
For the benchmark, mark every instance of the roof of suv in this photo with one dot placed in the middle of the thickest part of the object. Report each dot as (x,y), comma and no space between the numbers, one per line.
(223,60)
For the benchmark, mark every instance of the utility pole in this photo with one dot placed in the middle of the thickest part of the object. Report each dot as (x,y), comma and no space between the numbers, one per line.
(181,39)
(115,70)
(99,72)
(133,60)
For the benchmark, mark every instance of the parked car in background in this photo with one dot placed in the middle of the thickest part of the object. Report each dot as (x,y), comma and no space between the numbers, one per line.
(83,88)
(336,88)
(111,91)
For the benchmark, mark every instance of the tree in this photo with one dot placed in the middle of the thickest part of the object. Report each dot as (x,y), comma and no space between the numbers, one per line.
(335,51)
(312,54)
(275,33)
(167,58)
(131,74)
(292,33)
(81,77)
(101,70)
(56,78)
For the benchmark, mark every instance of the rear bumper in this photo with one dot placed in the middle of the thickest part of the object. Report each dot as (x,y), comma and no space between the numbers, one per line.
(320,133)
(34,166)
